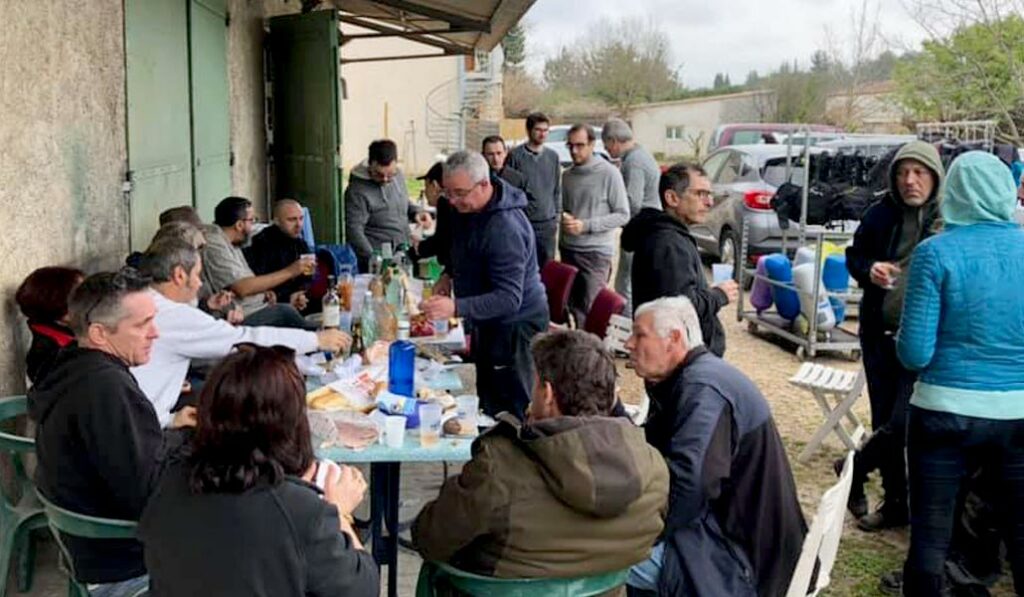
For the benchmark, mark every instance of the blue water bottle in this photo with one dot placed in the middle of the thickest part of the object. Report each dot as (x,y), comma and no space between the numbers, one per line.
(401,367)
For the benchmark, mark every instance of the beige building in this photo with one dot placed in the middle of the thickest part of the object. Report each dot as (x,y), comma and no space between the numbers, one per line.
(871,108)
(684,127)
(103,124)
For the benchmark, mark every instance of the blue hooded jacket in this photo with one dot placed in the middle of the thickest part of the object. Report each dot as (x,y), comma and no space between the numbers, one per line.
(963,315)
(494,259)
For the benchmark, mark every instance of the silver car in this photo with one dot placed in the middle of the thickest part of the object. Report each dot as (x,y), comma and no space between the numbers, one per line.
(743,181)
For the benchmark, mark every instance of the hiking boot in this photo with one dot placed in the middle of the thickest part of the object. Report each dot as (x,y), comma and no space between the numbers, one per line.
(891,583)
(885,517)
(857,503)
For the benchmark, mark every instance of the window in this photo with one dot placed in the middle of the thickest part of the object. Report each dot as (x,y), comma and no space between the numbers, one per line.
(674,132)
(730,172)
(714,163)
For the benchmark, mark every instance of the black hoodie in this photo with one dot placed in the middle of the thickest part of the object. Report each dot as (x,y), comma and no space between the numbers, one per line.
(666,263)
(100,451)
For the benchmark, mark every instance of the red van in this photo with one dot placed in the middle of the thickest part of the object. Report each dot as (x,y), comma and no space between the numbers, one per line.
(750,133)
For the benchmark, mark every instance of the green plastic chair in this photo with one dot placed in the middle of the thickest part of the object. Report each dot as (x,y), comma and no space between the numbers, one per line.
(18,519)
(86,527)
(474,584)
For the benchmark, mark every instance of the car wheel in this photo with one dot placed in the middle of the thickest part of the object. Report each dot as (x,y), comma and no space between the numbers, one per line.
(727,247)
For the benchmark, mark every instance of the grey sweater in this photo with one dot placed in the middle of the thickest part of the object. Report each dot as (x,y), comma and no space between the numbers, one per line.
(543,179)
(641,175)
(594,193)
(375,213)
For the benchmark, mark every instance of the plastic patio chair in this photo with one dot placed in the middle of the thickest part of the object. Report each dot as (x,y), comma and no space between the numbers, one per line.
(606,303)
(558,278)
(86,527)
(474,584)
(17,519)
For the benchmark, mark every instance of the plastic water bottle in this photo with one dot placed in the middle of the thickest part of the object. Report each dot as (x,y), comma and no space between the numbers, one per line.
(401,367)
(368,321)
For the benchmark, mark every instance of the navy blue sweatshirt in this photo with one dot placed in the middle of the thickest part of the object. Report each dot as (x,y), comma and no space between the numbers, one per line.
(494,261)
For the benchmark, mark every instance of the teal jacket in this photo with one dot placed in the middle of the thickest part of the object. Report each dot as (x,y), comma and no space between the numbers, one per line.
(963,314)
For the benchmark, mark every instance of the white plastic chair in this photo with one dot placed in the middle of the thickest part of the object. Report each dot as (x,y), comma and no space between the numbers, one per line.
(836,391)
(822,541)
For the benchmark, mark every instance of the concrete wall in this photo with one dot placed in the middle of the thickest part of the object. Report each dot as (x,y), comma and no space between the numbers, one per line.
(867,113)
(245,74)
(63,158)
(698,117)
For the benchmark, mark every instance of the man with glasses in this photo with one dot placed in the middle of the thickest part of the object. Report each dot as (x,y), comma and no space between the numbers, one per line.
(496,281)
(666,261)
(99,443)
(539,164)
(377,207)
(594,204)
(226,268)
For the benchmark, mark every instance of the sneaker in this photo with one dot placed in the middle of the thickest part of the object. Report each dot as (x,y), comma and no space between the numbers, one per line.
(891,583)
(857,503)
(883,518)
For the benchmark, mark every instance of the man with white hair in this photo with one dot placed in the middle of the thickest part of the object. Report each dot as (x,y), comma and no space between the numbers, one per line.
(734,524)
(641,174)
(496,281)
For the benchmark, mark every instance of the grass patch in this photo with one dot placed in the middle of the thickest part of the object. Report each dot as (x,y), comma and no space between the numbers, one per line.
(859,564)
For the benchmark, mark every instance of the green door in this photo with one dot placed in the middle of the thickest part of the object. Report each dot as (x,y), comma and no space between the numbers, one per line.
(157,81)
(306,117)
(211,140)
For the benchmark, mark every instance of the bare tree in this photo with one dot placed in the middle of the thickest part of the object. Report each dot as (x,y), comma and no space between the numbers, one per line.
(850,61)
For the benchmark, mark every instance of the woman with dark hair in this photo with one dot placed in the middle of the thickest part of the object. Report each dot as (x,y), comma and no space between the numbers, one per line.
(239,515)
(43,299)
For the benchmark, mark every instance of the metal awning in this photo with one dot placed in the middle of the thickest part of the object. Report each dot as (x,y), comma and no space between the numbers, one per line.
(450,27)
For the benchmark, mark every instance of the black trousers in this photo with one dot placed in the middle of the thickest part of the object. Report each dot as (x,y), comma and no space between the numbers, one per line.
(504,367)
(545,233)
(889,389)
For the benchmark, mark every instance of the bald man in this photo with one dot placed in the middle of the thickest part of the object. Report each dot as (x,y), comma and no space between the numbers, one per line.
(277,247)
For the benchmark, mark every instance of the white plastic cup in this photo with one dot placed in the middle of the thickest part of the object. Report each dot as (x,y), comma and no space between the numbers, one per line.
(466,408)
(720,272)
(394,431)
(430,424)
(308,263)
(440,327)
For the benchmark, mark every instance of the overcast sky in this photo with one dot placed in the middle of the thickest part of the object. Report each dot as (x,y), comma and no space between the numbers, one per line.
(731,36)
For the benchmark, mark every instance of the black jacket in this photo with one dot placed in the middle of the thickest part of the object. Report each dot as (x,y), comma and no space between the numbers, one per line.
(272,250)
(268,541)
(877,239)
(734,523)
(440,243)
(47,340)
(101,450)
(666,263)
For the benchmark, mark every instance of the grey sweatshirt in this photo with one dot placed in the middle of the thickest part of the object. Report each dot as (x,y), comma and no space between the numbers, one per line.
(641,175)
(594,193)
(375,213)
(543,179)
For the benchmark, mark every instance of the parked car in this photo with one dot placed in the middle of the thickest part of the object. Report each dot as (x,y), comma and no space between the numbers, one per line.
(743,182)
(559,134)
(748,133)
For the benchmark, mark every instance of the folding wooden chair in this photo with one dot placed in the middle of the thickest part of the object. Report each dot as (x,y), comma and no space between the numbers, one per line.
(822,541)
(836,392)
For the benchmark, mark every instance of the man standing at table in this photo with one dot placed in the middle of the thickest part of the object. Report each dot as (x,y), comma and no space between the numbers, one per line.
(495,279)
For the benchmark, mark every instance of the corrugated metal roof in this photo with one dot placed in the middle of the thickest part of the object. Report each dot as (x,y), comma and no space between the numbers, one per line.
(454,26)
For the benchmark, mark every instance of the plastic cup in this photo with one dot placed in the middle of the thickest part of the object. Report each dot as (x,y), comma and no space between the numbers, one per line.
(720,272)
(466,408)
(430,424)
(441,327)
(308,263)
(394,431)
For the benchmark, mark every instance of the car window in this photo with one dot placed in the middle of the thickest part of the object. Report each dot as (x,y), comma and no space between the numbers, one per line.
(557,135)
(730,172)
(714,163)
(775,173)
(747,138)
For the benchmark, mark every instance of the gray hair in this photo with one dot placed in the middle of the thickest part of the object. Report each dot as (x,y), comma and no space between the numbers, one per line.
(616,129)
(674,313)
(180,231)
(470,162)
(164,256)
(100,299)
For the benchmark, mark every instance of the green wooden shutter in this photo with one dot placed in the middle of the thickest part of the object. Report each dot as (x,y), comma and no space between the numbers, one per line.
(211,132)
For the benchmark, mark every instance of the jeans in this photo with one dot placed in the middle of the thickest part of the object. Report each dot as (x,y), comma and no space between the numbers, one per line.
(624,281)
(944,451)
(594,268)
(125,588)
(504,366)
(279,315)
(645,574)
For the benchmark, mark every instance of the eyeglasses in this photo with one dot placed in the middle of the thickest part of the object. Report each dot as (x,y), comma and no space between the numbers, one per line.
(460,194)
(701,194)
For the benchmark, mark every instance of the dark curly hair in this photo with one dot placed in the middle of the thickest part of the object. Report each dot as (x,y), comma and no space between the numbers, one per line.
(43,295)
(580,370)
(252,424)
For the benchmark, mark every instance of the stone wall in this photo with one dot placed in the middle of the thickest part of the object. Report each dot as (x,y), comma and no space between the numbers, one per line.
(62,134)
(245,73)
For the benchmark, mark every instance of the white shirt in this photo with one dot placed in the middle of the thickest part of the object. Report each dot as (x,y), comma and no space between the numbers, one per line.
(187,333)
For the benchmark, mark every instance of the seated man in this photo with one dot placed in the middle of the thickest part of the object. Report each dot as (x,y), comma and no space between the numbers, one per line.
(182,213)
(574,492)
(98,440)
(226,268)
(278,246)
(377,206)
(734,525)
(187,333)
